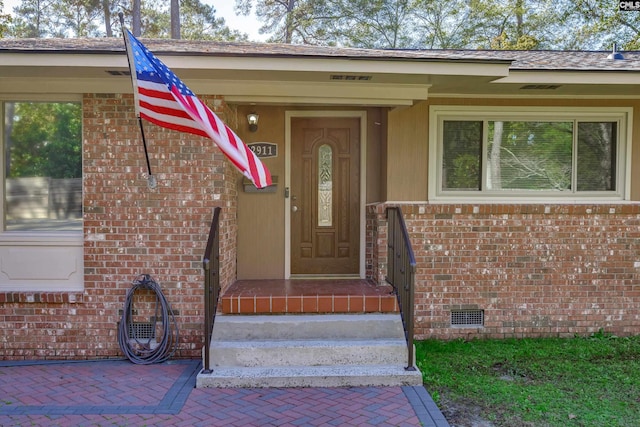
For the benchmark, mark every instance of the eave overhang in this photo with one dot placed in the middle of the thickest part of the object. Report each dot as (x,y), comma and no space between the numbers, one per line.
(266,73)
(248,78)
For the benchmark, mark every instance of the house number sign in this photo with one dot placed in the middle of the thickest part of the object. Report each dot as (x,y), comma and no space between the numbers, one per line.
(264,149)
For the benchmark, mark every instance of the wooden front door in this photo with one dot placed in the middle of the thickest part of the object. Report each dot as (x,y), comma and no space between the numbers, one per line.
(325,196)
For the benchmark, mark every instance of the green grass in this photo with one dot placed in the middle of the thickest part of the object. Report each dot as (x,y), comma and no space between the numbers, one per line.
(592,381)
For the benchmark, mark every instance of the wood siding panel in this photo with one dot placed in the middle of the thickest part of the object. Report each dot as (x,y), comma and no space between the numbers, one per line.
(407,153)
(261,215)
(375,160)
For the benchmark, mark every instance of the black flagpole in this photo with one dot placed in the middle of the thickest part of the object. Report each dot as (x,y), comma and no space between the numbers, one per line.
(152,182)
(151,179)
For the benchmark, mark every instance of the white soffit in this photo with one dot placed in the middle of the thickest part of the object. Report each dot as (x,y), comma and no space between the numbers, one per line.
(346,65)
(314,89)
(240,91)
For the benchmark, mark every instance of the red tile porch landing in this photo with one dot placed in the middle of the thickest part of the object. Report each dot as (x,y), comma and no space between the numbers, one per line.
(308,296)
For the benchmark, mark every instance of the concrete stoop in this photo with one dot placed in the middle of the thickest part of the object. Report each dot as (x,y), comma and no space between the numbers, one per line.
(335,350)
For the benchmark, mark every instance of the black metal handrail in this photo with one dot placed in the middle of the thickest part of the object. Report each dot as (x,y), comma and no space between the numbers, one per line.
(401,271)
(211,266)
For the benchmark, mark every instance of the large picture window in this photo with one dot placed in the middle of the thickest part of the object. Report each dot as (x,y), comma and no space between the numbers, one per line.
(42,166)
(528,153)
(41,238)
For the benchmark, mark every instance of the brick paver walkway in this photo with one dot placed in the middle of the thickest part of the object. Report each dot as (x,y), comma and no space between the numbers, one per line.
(120,393)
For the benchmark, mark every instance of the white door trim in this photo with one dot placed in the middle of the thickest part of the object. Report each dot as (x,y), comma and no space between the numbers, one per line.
(362,115)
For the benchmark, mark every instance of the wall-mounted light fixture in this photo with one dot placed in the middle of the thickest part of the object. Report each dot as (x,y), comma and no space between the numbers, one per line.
(253,121)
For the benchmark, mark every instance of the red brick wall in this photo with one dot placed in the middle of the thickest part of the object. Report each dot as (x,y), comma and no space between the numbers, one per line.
(535,269)
(129,230)
(376,243)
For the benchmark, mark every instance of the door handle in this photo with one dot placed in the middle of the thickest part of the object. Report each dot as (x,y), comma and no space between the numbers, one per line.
(294,208)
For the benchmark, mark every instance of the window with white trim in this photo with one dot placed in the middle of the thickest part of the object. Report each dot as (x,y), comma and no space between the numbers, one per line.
(509,153)
(41,230)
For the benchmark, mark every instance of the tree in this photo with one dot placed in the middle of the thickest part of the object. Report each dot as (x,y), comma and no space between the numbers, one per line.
(285,20)
(175,19)
(596,151)
(5,21)
(354,23)
(199,22)
(530,155)
(393,24)
(378,24)
(106,11)
(444,24)
(45,140)
(462,153)
(80,18)
(97,18)
(34,19)
(58,18)
(64,152)
(513,24)
(599,24)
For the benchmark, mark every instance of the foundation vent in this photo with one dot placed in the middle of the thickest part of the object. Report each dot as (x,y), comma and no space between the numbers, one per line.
(142,330)
(467,318)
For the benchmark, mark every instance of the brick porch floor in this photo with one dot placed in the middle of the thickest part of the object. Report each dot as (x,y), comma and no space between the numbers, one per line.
(308,296)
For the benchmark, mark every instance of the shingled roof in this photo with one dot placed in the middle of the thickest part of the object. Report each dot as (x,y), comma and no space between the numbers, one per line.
(519,60)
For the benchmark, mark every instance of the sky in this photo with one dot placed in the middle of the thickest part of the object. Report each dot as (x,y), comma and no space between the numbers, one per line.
(224,9)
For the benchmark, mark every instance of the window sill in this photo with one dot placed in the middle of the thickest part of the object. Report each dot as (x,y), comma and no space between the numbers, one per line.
(25,297)
(531,200)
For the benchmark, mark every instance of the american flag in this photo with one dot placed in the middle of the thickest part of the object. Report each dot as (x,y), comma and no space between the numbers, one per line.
(162,98)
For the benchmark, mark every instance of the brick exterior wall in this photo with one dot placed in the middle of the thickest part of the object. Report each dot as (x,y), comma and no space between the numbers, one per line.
(535,269)
(129,230)
(376,242)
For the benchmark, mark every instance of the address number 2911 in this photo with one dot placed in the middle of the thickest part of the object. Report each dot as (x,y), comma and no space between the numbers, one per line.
(264,149)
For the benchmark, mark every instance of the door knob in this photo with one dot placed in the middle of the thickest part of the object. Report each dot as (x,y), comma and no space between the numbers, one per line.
(294,208)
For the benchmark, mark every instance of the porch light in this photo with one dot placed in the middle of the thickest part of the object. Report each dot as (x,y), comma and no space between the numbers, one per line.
(253,121)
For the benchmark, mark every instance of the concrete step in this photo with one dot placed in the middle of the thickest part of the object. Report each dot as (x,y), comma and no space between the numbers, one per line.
(305,376)
(315,326)
(308,352)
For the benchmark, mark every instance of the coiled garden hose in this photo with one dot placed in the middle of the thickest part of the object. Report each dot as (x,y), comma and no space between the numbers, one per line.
(145,350)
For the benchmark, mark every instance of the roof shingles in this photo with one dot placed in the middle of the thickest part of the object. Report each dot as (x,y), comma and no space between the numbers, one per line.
(520,60)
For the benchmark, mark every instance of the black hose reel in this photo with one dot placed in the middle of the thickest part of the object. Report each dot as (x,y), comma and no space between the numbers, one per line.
(150,342)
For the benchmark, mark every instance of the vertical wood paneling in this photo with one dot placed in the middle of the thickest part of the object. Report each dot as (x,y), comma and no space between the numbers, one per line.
(407,153)
(261,216)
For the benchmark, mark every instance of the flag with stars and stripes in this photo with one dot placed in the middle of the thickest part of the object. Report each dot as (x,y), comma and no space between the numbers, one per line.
(162,98)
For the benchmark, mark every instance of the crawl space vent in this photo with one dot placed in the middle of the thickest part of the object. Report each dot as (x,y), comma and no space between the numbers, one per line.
(142,330)
(467,318)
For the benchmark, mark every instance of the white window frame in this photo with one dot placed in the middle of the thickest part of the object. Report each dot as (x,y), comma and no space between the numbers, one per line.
(36,261)
(439,113)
